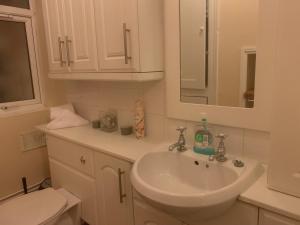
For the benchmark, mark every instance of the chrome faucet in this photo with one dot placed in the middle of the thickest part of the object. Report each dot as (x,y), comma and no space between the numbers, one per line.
(180,144)
(221,150)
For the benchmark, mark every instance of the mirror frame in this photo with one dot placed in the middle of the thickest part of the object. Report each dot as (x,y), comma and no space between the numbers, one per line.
(257,118)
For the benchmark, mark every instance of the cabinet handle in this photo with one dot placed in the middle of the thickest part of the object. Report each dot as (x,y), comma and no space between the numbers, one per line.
(125,31)
(122,196)
(60,46)
(82,160)
(69,42)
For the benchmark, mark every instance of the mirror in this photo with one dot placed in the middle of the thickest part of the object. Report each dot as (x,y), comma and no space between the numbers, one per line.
(218,52)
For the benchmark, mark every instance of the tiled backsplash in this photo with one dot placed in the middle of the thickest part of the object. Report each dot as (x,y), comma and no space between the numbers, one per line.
(92,98)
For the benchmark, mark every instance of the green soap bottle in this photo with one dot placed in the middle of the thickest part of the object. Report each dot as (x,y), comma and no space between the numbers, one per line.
(203,140)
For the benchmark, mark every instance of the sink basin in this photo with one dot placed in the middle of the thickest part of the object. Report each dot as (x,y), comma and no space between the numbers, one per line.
(190,187)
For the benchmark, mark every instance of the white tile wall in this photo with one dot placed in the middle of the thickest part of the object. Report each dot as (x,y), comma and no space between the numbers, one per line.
(257,145)
(93,98)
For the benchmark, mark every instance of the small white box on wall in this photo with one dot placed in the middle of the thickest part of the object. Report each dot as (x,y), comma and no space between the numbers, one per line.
(32,140)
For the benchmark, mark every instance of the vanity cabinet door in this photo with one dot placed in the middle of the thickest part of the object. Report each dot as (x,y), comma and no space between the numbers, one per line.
(114,192)
(71,154)
(146,215)
(269,218)
(82,186)
(55,35)
(239,214)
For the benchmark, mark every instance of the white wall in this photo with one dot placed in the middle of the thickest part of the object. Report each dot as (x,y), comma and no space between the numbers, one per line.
(238,24)
(192,18)
(285,164)
(90,98)
(14,164)
(33,164)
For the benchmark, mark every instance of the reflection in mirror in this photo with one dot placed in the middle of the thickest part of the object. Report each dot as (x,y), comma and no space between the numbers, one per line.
(16,3)
(218,53)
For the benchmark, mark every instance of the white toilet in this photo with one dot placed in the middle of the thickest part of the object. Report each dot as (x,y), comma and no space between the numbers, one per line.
(45,207)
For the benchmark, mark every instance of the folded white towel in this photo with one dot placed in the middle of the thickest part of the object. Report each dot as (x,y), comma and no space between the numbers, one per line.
(65,119)
(56,111)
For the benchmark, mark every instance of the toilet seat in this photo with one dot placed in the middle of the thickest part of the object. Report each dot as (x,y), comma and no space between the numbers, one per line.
(36,208)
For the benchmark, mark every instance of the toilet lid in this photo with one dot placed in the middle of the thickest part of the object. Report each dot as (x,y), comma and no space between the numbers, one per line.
(33,209)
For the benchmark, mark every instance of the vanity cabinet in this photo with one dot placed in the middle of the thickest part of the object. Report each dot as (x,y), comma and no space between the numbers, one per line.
(70,35)
(270,218)
(102,182)
(72,168)
(146,215)
(82,186)
(71,154)
(114,191)
(239,213)
(104,39)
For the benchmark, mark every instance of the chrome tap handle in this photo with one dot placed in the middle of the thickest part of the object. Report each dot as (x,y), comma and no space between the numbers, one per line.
(221,146)
(221,149)
(181,129)
(181,138)
(180,144)
(222,136)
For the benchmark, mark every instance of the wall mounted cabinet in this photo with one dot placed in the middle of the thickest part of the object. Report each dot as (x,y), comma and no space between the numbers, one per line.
(130,38)
(71,35)
(104,39)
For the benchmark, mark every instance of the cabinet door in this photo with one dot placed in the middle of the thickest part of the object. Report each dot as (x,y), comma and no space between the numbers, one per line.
(269,218)
(239,214)
(78,184)
(118,35)
(81,46)
(71,154)
(55,35)
(146,215)
(114,193)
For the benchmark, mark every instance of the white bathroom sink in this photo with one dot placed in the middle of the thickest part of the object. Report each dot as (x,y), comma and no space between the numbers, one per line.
(190,187)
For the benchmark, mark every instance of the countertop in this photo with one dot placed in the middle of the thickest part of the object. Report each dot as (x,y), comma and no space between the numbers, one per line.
(130,149)
(259,195)
(124,147)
